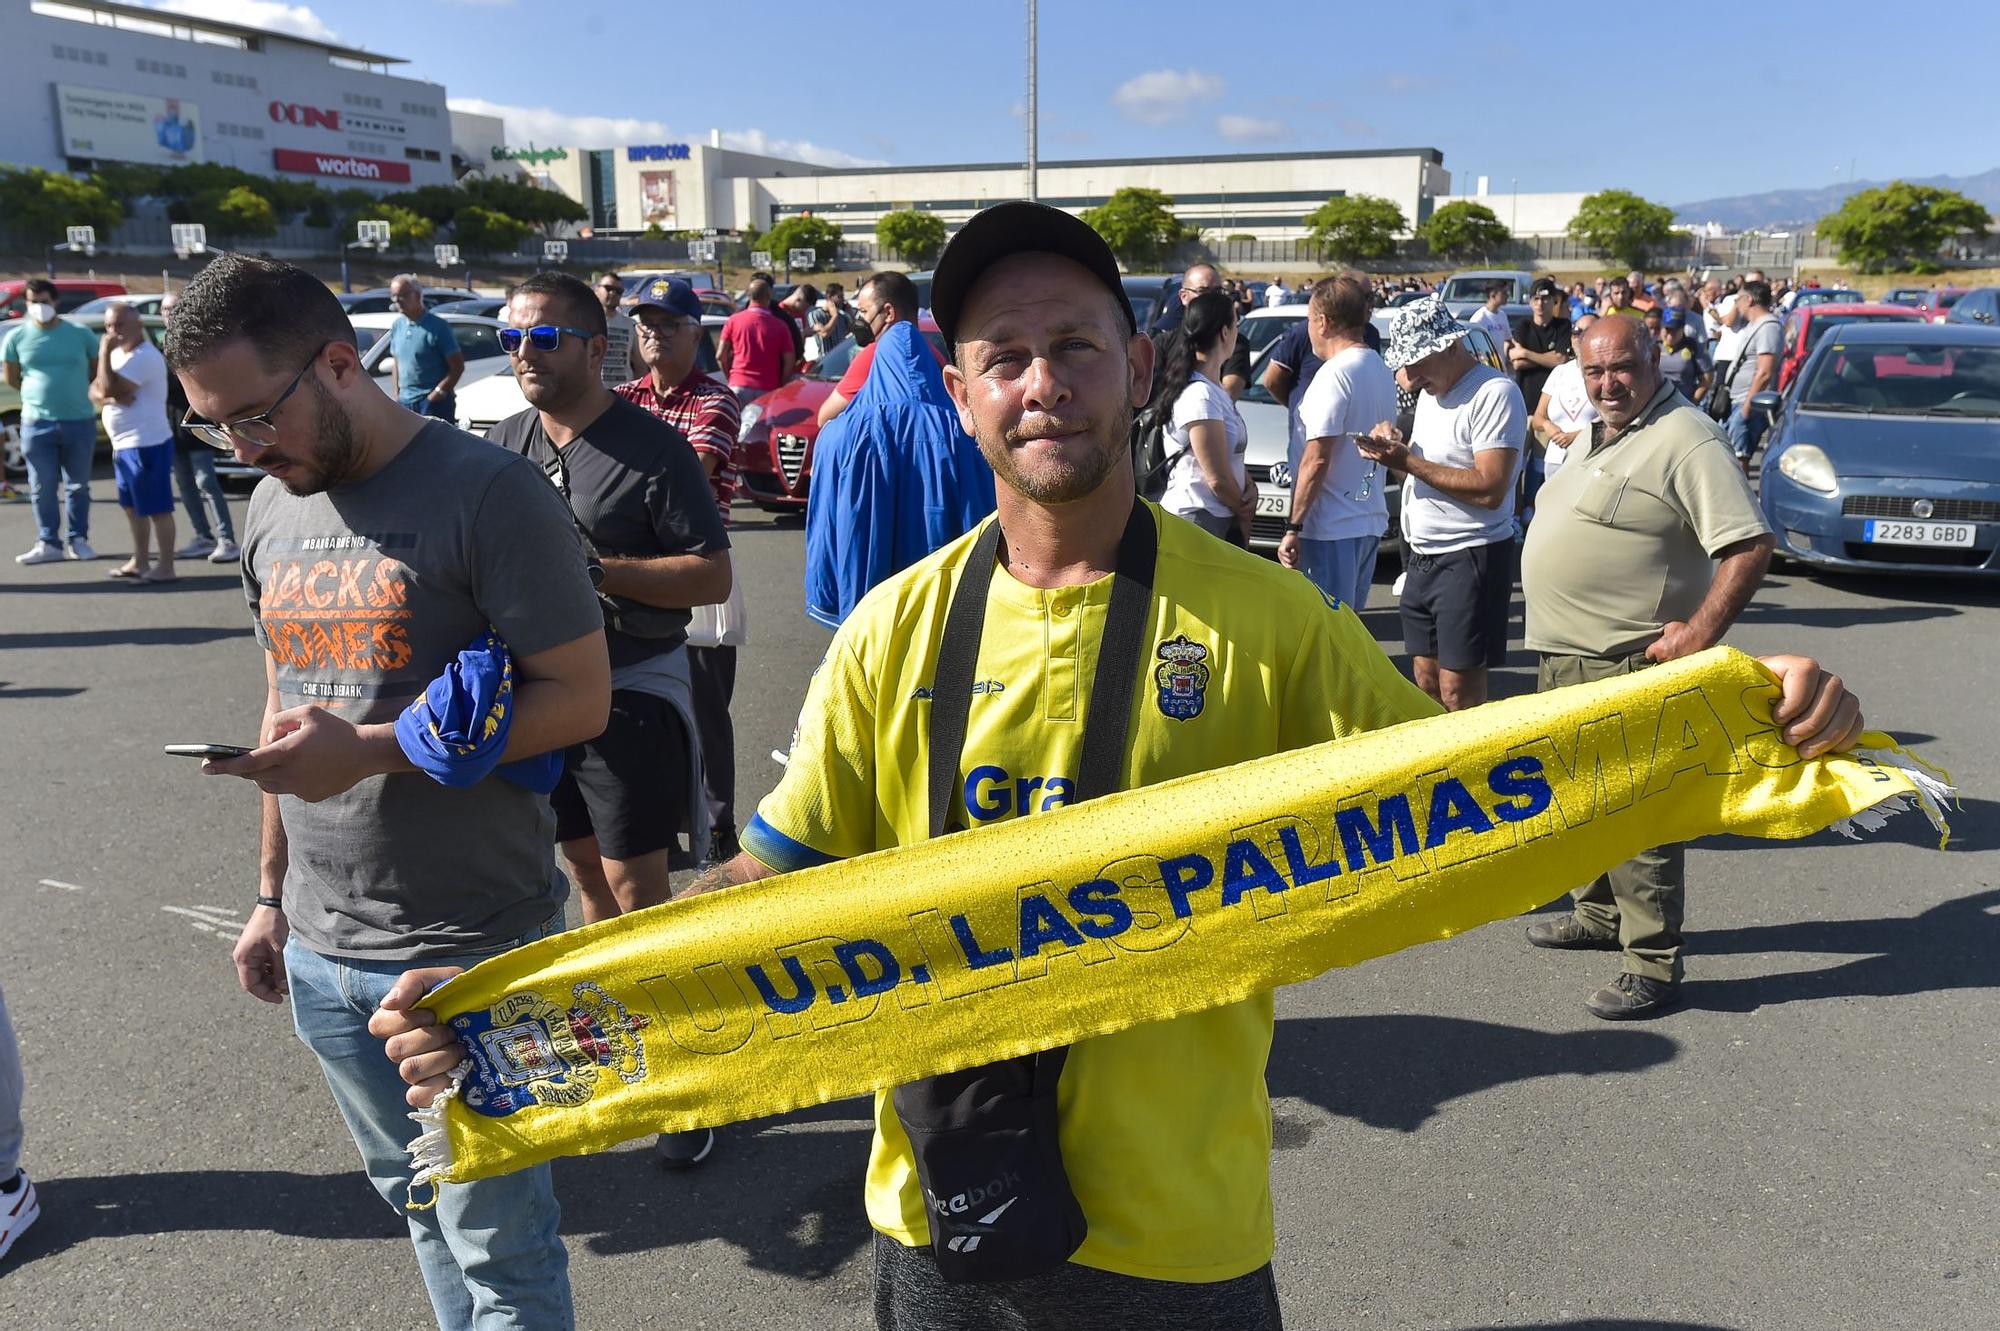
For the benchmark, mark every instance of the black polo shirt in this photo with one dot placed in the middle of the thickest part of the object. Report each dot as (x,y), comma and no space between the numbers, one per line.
(1531,336)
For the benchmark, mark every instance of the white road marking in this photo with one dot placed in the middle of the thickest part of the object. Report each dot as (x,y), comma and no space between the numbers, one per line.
(208,919)
(67,887)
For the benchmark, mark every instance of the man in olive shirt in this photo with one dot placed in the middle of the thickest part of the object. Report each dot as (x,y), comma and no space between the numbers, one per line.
(1645,548)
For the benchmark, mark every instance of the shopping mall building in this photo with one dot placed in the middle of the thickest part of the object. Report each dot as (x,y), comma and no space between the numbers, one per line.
(91,81)
(703,186)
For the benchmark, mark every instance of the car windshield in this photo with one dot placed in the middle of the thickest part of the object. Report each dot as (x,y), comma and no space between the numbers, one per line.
(1944,300)
(1825,323)
(1828,296)
(1471,288)
(834,363)
(1905,379)
(1260,360)
(1260,333)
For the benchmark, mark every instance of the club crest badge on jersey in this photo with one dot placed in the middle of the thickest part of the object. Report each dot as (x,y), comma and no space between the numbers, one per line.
(526,1050)
(1182,677)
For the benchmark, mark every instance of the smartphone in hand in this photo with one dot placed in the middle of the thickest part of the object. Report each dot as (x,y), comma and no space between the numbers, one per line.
(207,750)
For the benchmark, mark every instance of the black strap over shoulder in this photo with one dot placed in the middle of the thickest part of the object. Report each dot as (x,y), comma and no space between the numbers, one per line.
(986,1140)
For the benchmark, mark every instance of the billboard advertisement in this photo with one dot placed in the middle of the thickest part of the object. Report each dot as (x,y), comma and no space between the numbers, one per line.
(127,126)
(656,198)
(345,165)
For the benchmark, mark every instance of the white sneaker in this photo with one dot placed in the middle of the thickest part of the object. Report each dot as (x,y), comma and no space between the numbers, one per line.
(18,1210)
(45,552)
(226,553)
(81,549)
(196,548)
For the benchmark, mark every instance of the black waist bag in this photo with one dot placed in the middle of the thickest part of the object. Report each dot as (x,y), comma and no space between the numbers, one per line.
(985,1139)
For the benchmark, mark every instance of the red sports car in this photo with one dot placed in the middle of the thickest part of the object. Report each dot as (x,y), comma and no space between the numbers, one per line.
(1809,323)
(774,446)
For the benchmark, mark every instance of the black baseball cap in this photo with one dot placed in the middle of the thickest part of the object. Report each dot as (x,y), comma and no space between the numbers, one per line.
(1019,227)
(1546,286)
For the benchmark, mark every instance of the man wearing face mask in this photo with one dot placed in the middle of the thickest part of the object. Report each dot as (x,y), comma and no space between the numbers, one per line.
(884,300)
(52,363)
(378,547)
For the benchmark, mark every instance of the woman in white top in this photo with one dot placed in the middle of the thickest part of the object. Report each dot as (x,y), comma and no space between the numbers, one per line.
(1205,436)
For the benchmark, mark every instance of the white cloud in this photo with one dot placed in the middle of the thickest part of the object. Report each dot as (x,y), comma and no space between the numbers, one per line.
(548,127)
(1249,129)
(1161,96)
(297,20)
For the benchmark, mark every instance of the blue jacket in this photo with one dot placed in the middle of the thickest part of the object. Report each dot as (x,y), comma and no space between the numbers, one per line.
(893,478)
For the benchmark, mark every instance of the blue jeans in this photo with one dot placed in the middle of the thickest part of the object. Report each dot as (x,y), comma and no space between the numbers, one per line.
(10,1096)
(489,1251)
(444,409)
(1343,569)
(60,450)
(194,471)
(1746,431)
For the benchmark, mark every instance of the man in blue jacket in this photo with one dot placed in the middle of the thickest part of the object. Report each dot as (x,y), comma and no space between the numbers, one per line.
(894,477)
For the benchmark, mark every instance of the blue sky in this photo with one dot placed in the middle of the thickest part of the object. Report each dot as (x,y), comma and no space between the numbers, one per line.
(1556,96)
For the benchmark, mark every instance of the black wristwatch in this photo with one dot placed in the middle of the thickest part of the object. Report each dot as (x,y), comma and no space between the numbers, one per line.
(1295,528)
(275,903)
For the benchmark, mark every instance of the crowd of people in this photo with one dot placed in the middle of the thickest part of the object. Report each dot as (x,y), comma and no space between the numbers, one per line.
(529,686)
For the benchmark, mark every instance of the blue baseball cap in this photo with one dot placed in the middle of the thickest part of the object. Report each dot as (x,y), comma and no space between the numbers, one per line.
(669,294)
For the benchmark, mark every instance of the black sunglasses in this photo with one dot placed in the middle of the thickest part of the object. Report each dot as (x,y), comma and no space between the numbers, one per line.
(258,431)
(542,337)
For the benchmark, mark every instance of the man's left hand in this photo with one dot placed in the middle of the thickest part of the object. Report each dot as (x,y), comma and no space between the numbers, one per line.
(1385,446)
(1815,713)
(309,752)
(1675,641)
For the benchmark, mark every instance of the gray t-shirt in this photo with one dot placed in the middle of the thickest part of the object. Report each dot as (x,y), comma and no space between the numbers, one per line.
(1766,337)
(363,595)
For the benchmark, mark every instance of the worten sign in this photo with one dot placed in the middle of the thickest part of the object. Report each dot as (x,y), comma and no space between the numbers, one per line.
(345,165)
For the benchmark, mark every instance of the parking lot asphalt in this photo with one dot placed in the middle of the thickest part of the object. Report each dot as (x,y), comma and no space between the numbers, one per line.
(1812,1143)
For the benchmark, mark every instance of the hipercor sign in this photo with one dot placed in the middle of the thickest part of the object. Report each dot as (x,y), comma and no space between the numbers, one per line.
(344,165)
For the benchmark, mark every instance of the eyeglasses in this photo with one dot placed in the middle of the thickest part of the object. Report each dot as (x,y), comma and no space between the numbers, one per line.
(258,431)
(664,328)
(542,337)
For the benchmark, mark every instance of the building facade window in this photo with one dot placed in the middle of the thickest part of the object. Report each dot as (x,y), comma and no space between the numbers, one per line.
(160,67)
(231,79)
(361,100)
(81,56)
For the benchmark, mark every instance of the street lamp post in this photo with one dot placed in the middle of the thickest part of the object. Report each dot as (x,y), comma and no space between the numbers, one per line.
(1034,190)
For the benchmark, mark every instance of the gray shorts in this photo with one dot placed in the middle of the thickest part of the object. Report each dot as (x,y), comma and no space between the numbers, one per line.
(911,1296)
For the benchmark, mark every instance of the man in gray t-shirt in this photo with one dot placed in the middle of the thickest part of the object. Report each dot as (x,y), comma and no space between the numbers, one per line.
(1758,348)
(379,548)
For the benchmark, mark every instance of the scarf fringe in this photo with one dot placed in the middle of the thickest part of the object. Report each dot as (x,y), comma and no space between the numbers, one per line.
(430,1152)
(1934,791)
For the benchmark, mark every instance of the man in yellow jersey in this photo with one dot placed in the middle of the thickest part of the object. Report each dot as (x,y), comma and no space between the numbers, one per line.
(1163,1130)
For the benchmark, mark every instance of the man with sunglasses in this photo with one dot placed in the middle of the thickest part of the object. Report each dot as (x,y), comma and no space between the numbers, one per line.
(381,545)
(680,392)
(641,498)
(621,352)
(425,351)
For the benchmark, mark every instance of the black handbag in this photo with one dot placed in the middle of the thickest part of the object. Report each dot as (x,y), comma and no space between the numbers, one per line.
(988,1156)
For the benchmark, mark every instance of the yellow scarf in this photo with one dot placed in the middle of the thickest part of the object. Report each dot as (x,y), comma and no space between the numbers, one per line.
(1136,907)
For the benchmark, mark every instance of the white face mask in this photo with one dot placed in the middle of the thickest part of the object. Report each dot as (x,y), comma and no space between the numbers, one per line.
(41,312)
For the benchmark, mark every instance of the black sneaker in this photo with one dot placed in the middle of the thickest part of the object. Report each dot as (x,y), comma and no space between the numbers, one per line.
(1633,996)
(1567,932)
(722,844)
(684,1150)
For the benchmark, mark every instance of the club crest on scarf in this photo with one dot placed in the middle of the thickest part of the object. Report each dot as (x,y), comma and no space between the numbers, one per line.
(526,1050)
(1182,677)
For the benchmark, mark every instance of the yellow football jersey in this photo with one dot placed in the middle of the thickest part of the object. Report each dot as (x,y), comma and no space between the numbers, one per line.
(1165,1128)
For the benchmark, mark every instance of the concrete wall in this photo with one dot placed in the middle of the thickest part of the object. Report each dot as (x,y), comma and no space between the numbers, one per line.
(1527,214)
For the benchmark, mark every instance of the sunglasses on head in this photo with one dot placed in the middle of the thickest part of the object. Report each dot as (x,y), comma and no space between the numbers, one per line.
(542,337)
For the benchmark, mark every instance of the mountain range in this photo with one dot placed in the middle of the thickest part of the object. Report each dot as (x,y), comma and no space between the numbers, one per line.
(1790,209)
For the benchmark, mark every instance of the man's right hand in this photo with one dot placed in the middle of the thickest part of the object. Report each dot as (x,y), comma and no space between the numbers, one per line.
(1288,550)
(260,955)
(423,1051)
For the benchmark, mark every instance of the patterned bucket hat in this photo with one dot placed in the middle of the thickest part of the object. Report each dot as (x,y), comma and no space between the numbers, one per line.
(1422,328)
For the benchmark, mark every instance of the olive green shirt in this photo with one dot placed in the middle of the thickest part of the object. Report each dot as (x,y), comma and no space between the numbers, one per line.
(1625,535)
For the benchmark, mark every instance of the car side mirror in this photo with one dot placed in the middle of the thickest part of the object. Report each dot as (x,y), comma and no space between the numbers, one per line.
(1766,402)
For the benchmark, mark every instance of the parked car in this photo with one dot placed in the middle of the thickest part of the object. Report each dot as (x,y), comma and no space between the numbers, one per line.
(376,300)
(1805,327)
(71,294)
(497,396)
(1981,305)
(1148,294)
(1464,292)
(1937,305)
(1808,296)
(1885,456)
(487,307)
(1264,325)
(1910,296)
(774,445)
(141,304)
